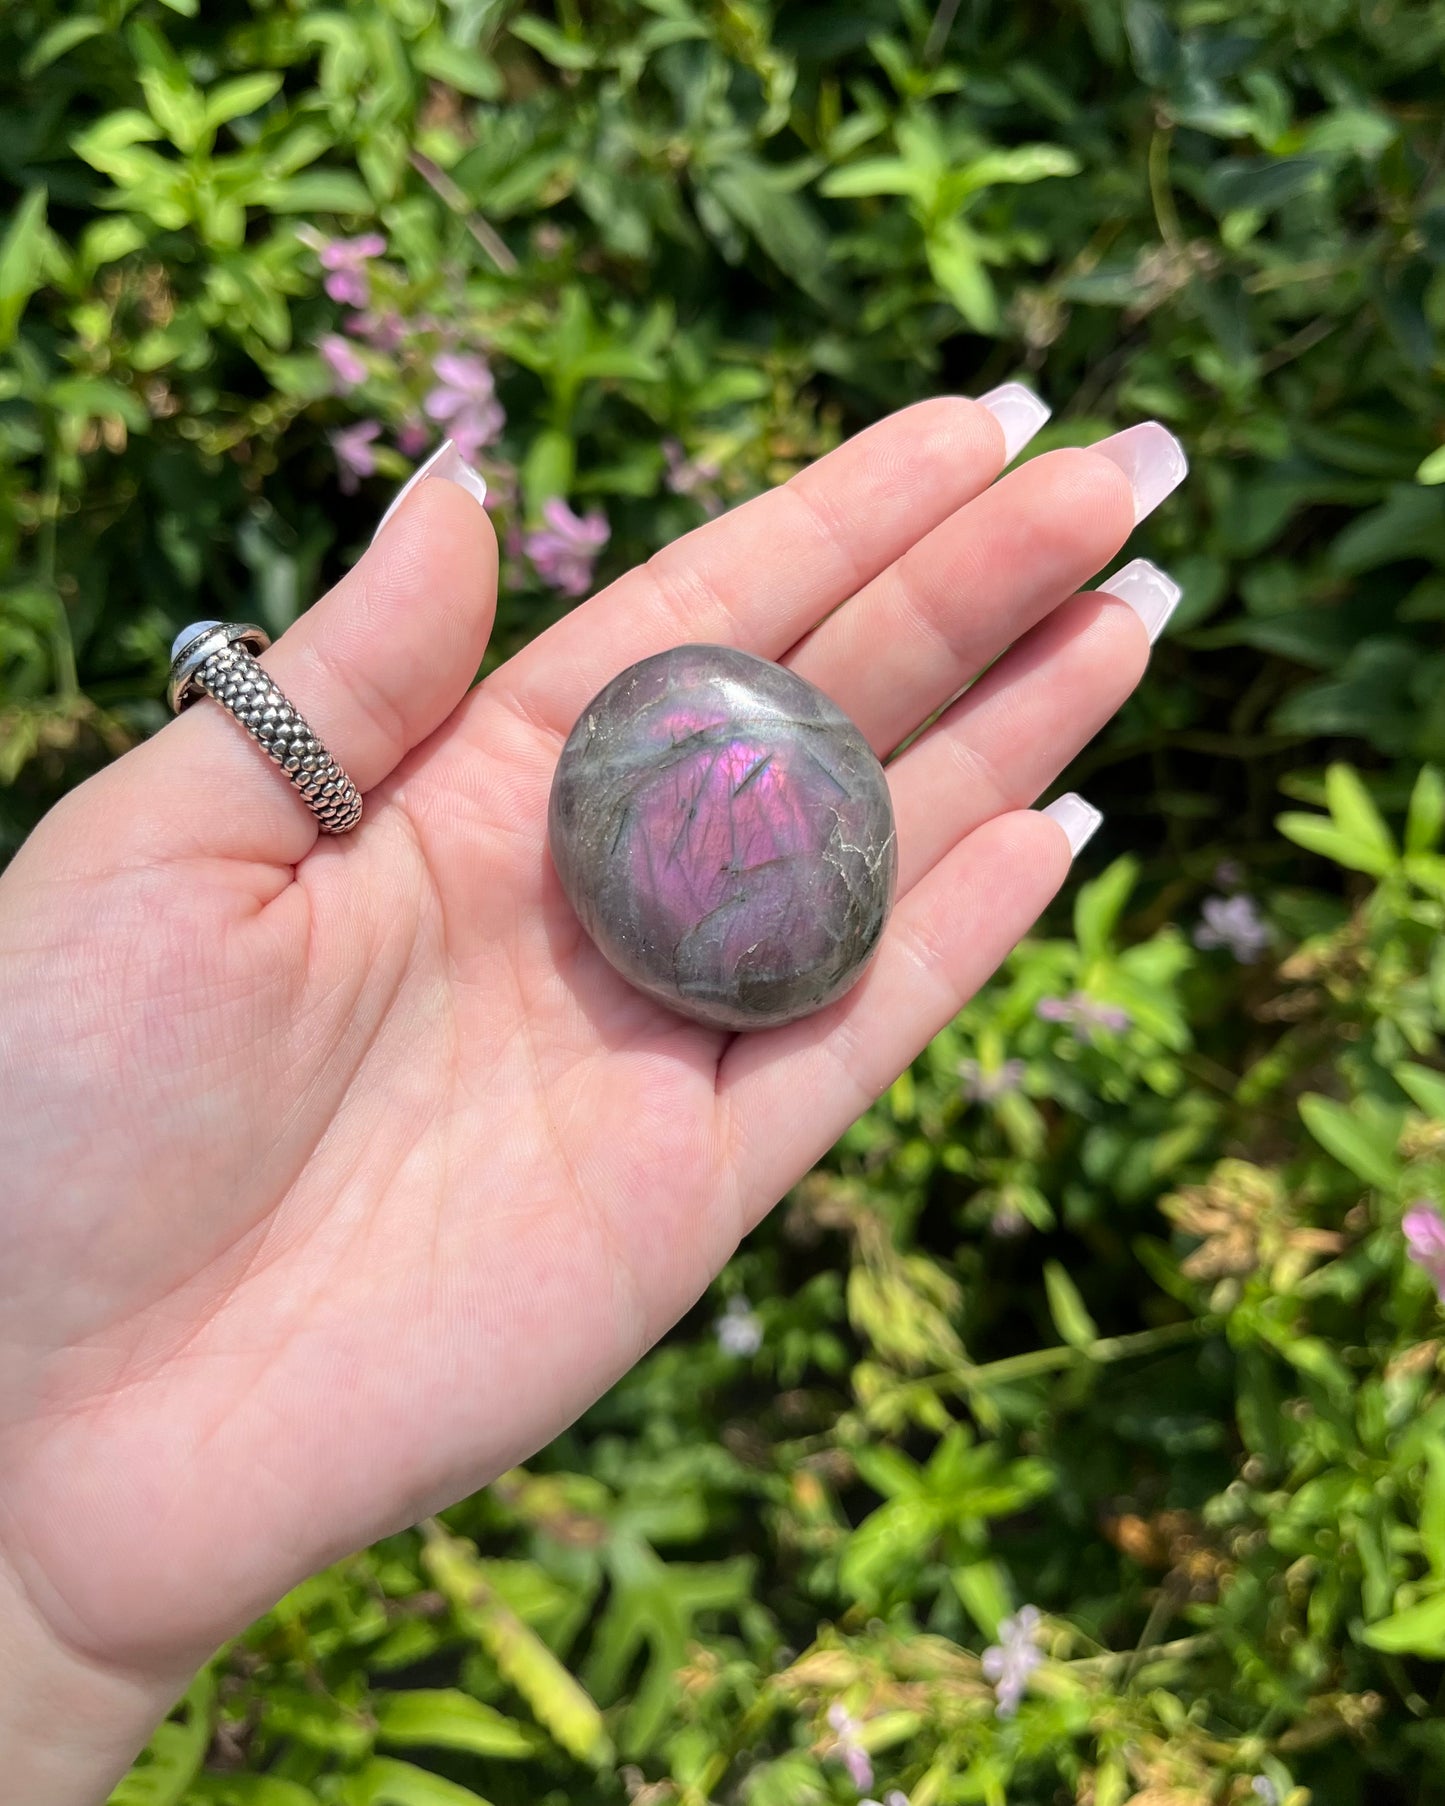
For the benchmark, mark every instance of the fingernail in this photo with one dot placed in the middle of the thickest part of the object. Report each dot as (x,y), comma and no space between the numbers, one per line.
(1018,411)
(1078,819)
(1151,593)
(1152,459)
(447,463)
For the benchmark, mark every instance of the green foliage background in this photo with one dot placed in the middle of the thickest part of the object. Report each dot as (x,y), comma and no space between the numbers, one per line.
(1204,1439)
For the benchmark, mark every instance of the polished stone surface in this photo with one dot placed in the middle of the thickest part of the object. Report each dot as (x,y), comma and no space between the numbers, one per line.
(725,834)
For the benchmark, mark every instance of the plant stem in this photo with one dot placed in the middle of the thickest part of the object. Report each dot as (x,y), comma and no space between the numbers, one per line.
(1160,192)
(1099,1353)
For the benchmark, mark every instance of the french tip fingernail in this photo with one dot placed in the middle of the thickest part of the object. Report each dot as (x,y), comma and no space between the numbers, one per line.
(1151,593)
(1079,820)
(1018,411)
(1151,458)
(447,463)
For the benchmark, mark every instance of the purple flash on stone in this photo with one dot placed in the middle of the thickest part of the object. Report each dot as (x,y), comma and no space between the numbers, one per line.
(725,835)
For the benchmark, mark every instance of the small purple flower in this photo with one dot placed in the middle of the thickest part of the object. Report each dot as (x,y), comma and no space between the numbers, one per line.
(1235,923)
(412,438)
(1229,874)
(1083,1013)
(981,1087)
(739,1330)
(354,456)
(345,261)
(465,400)
(894,1797)
(1009,1662)
(1425,1241)
(1008,1222)
(689,476)
(386,331)
(1265,1789)
(848,1749)
(346,366)
(564,550)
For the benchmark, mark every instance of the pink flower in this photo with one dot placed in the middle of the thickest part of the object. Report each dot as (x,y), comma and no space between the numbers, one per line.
(465,400)
(1425,1241)
(1082,1013)
(849,1751)
(692,476)
(345,261)
(354,456)
(346,366)
(566,548)
(384,330)
(981,1087)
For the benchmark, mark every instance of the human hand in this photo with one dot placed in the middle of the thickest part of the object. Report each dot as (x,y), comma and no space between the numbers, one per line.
(342,1173)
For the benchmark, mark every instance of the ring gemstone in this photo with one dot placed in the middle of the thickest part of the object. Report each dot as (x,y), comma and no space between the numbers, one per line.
(725,835)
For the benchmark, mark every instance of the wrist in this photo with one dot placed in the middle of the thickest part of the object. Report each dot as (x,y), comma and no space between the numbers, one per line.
(70,1725)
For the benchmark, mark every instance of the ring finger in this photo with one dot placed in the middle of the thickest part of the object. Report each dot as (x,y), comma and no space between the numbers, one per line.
(1006,740)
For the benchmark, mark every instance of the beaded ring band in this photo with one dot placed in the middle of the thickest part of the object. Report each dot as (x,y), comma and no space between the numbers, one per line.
(218,659)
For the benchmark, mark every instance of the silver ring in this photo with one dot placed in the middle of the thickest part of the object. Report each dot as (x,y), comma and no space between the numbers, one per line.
(218,659)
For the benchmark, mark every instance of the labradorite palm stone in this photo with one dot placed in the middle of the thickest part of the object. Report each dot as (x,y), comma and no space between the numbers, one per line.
(725,835)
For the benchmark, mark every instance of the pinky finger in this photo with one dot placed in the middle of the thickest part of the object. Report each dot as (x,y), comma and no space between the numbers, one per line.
(789,1093)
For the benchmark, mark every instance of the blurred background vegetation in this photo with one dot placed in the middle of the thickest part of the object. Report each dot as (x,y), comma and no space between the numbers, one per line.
(1072,1437)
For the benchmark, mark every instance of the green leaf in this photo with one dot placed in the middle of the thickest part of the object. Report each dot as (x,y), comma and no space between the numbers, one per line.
(957,268)
(22,257)
(449,1719)
(1432,467)
(1365,1145)
(97,398)
(468,71)
(1317,835)
(108,240)
(1425,1087)
(1260,184)
(177,108)
(386,1782)
(249,1790)
(1099,905)
(235,99)
(1067,1308)
(318,191)
(53,44)
(1426,815)
(1355,813)
(983,1589)
(547,470)
(780,221)
(1432,1510)
(871,176)
(555,45)
(521,1657)
(1023,163)
(1418,1630)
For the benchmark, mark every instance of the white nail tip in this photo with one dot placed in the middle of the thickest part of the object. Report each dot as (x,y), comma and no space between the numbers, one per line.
(1078,819)
(1151,593)
(1018,411)
(447,463)
(1151,458)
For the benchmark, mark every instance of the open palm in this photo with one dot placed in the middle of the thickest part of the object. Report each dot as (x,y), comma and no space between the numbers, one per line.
(340,1174)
